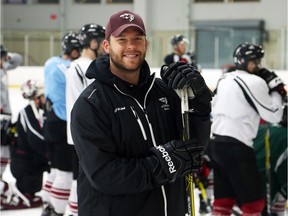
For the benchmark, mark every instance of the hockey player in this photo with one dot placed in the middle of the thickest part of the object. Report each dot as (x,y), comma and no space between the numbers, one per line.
(180,44)
(127,129)
(57,187)
(242,97)
(91,37)
(29,154)
(8,61)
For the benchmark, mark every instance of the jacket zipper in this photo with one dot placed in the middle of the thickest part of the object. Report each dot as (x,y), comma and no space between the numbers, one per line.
(151,131)
(139,122)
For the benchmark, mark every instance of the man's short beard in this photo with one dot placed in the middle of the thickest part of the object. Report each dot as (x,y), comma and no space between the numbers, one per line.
(122,67)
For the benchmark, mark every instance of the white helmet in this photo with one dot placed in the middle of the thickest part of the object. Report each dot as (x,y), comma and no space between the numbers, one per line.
(32,89)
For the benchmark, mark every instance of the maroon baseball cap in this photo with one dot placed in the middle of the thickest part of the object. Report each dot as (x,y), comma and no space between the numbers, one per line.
(121,20)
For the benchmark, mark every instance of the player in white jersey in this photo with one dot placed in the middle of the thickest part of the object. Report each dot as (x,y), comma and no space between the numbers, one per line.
(242,97)
(91,37)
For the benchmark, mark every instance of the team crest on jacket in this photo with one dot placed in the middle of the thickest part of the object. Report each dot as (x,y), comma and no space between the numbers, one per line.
(165,105)
(127,16)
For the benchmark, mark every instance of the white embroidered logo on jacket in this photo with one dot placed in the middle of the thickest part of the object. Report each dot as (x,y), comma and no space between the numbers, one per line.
(165,105)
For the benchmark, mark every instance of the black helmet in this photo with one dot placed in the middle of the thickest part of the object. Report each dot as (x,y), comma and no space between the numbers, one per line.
(246,52)
(3,51)
(178,38)
(90,31)
(70,41)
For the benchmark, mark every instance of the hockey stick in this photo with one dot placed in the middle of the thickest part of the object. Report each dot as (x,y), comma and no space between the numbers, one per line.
(267,166)
(201,189)
(183,93)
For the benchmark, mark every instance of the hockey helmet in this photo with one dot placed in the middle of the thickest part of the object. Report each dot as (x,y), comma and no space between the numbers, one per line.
(246,52)
(70,41)
(89,32)
(3,51)
(177,39)
(32,89)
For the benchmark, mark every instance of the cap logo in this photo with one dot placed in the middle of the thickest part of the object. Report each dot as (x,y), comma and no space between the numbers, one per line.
(128,16)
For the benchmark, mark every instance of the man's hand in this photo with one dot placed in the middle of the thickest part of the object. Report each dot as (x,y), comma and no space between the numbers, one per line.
(180,74)
(175,159)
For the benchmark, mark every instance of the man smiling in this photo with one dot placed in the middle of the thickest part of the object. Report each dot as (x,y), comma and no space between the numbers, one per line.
(122,132)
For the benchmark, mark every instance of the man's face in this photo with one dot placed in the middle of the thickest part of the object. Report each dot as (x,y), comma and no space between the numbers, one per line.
(75,53)
(253,65)
(181,47)
(39,101)
(127,52)
(93,44)
(99,47)
(95,47)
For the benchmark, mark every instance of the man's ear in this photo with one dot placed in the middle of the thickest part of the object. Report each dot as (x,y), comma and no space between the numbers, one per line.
(106,46)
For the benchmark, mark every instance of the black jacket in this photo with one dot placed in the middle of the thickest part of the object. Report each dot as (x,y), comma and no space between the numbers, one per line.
(113,125)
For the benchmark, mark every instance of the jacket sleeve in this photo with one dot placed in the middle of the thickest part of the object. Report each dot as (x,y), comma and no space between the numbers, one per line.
(106,171)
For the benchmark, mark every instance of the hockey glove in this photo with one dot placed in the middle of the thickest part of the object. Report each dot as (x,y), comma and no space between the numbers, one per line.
(174,159)
(181,75)
(273,81)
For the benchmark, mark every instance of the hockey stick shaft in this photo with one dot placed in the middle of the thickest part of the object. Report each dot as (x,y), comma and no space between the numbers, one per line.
(186,136)
(267,167)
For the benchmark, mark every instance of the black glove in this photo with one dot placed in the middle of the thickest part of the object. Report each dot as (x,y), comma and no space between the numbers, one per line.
(174,159)
(179,75)
(273,81)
